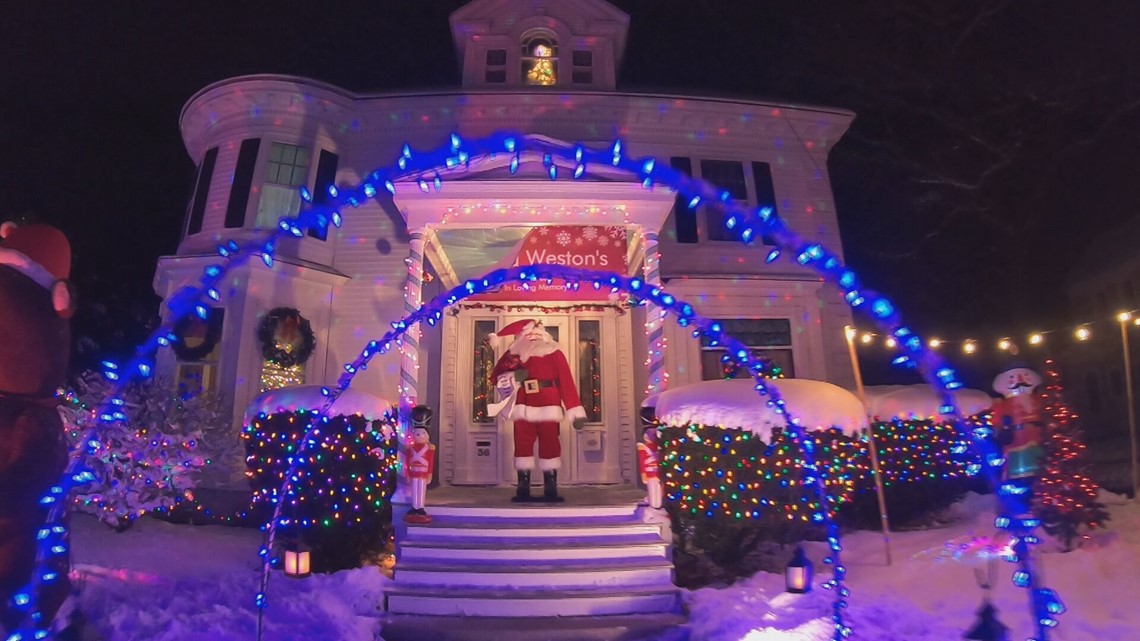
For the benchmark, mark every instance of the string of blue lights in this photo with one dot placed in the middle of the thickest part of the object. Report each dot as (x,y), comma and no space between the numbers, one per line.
(423,169)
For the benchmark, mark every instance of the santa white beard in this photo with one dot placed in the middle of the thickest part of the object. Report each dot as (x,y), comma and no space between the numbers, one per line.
(525,348)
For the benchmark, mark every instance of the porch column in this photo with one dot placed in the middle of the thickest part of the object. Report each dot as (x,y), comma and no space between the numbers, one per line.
(658,378)
(410,350)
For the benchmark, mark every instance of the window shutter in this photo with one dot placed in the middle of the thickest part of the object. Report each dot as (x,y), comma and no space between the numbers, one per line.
(326,176)
(765,192)
(202,191)
(243,180)
(684,217)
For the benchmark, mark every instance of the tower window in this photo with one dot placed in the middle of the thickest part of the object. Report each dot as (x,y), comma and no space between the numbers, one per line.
(286,169)
(496,68)
(540,61)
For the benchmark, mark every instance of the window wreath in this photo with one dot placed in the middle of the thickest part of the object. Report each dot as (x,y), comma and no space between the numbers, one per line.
(208,330)
(286,337)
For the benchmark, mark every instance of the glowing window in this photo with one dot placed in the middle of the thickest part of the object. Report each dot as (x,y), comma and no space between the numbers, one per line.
(540,61)
(286,169)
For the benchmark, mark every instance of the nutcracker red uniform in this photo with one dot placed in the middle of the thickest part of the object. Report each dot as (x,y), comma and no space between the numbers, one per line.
(649,465)
(535,374)
(419,464)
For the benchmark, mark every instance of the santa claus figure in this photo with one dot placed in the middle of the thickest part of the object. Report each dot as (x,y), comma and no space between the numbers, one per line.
(419,464)
(649,465)
(534,380)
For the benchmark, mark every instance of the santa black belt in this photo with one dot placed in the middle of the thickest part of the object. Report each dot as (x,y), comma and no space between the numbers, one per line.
(532,385)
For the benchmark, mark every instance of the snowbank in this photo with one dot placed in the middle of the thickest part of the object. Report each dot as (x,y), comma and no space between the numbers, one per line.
(735,403)
(164,582)
(920,401)
(309,397)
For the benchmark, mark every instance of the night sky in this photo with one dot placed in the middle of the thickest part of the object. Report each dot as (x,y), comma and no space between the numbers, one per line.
(992,139)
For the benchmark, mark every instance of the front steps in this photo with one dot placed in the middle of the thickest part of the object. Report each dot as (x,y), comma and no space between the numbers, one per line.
(539,563)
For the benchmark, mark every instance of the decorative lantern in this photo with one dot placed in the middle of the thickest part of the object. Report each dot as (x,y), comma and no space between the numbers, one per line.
(297,560)
(797,576)
(988,628)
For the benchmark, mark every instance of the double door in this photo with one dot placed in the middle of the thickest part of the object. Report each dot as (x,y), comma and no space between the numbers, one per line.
(484,444)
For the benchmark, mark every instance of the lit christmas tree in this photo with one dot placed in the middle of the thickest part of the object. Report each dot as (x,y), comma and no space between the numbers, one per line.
(152,460)
(1065,498)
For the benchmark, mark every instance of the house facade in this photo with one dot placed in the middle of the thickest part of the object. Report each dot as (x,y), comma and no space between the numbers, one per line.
(548,69)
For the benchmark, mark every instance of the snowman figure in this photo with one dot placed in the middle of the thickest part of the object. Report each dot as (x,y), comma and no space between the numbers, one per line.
(1018,420)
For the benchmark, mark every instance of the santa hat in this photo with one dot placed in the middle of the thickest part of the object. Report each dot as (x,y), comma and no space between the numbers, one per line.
(41,253)
(512,331)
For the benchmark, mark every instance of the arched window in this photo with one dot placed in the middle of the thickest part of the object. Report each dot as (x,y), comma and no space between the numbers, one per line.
(540,59)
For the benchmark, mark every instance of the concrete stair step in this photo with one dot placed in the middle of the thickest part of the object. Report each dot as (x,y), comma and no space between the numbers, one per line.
(609,573)
(542,511)
(527,529)
(529,603)
(544,550)
(636,627)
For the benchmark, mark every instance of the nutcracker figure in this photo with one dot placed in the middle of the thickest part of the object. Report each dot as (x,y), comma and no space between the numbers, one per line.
(419,464)
(649,465)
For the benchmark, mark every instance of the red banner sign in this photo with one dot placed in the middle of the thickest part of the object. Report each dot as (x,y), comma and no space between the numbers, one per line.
(594,247)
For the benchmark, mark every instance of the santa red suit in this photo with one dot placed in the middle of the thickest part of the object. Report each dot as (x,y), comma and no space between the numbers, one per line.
(546,388)
(649,465)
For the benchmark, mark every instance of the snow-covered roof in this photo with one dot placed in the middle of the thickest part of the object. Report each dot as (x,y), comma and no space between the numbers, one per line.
(920,401)
(736,404)
(310,397)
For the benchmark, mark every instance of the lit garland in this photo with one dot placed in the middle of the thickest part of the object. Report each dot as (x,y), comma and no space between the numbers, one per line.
(1065,497)
(541,309)
(424,170)
(274,376)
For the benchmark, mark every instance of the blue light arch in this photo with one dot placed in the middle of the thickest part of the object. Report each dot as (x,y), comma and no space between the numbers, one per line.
(423,169)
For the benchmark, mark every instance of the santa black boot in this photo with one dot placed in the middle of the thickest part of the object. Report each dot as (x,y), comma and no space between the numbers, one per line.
(550,487)
(522,493)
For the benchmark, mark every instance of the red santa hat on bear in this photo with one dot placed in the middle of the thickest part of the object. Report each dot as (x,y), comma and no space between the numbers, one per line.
(41,253)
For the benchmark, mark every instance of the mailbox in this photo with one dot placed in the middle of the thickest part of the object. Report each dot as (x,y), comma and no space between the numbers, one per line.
(483,458)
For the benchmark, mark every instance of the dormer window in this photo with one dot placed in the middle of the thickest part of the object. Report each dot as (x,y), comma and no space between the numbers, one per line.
(583,72)
(540,60)
(496,70)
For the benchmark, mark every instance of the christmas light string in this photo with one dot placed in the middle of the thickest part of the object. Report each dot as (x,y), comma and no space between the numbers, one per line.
(424,170)
(1081,333)
(574,279)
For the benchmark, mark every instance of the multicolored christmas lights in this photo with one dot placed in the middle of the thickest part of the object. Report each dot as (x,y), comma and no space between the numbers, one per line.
(423,170)
(730,473)
(1065,497)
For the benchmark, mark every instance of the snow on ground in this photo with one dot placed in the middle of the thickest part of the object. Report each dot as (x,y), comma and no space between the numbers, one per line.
(166,582)
(929,595)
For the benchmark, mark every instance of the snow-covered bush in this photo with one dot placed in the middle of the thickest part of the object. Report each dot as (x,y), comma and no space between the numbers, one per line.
(339,502)
(738,501)
(151,461)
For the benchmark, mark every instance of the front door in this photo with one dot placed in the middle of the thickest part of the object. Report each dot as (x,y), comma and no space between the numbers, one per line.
(484,445)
